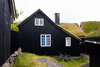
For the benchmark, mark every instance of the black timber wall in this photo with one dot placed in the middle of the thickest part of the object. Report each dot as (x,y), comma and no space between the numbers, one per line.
(4,31)
(15,41)
(82,48)
(87,46)
(1,33)
(94,51)
(31,38)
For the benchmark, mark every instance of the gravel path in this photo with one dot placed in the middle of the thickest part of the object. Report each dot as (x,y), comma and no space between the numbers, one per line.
(87,65)
(50,63)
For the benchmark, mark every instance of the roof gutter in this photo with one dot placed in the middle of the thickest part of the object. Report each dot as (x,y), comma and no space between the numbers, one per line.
(13,8)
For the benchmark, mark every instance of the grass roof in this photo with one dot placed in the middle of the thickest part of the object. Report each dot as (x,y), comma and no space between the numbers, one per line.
(73,28)
(91,28)
(20,22)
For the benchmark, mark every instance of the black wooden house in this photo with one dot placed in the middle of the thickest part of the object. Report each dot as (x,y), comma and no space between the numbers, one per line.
(42,36)
(7,8)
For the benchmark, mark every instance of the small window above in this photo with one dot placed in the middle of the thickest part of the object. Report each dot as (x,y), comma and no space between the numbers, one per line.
(39,22)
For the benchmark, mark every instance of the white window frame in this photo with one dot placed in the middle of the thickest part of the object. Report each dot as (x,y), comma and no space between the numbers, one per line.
(39,22)
(66,41)
(45,40)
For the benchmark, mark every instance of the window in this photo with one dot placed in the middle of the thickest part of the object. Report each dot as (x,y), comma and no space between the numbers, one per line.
(68,41)
(39,22)
(45,40)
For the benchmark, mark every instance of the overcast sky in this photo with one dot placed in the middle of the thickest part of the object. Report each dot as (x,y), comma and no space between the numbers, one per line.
(71,11)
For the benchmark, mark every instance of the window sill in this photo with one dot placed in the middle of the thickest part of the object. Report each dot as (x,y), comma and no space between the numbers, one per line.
(45,46)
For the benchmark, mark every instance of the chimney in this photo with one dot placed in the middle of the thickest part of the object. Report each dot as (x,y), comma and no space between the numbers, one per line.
(57,18)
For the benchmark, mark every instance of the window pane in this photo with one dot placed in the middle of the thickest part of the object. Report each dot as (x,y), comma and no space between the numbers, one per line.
(47,40)
(41,22)
(43,40)
(68,41)
(37,21)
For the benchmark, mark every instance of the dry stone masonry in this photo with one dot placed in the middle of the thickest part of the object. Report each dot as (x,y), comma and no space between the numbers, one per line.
(10,62)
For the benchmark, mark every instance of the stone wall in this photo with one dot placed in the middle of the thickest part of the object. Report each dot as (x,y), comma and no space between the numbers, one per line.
(10,62)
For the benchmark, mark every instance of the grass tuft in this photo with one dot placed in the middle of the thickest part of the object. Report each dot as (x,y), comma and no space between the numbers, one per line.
(28,60)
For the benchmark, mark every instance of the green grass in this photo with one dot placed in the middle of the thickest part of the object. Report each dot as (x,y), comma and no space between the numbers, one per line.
(91,28)
(31,60)
(28,60)
(73,63)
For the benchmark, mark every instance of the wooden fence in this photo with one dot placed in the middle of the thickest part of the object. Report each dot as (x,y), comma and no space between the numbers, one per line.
(15,41)
(94,52)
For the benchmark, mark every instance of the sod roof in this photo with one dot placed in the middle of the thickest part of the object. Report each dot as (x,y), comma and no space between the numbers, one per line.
(91,28)
(73,28)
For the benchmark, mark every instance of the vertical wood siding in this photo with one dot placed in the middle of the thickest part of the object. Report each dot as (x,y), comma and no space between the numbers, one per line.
(4,31)
(1,33)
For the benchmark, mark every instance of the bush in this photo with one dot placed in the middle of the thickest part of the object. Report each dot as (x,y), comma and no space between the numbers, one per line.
(14,28)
